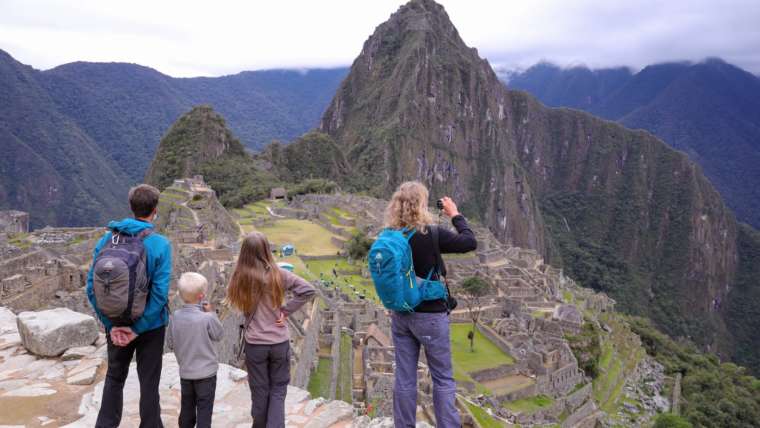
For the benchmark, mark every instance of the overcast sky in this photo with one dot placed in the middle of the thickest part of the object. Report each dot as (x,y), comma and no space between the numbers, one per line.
(211,38)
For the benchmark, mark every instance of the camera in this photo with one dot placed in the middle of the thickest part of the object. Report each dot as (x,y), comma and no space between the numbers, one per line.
(439,204)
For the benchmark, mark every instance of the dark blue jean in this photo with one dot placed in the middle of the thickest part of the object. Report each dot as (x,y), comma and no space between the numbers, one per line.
(430,330)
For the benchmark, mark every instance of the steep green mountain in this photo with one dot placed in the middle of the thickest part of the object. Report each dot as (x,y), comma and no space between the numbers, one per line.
(50,166)
(200,143)
(126,107)
(121,111)
(622,211)
(710,110)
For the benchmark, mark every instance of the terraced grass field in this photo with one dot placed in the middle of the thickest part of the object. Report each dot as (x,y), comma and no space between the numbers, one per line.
(529,405)
(484,419)
(309,238)
(348,274)
(486,355)
(620,355)
(319,382)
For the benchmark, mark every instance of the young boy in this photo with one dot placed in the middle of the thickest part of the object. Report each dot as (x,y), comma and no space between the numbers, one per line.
(192,330)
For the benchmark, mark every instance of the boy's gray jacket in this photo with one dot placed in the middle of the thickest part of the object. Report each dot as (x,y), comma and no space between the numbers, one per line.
(191,336)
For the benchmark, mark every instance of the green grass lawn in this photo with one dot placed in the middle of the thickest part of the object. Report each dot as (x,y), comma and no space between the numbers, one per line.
(462,376)
(342,213)
(485,356)
(530,404)
(309,238)
(334,216)
(299,267)
(20,240)
(484,419)
(319,382)
(361,284)
(459,256)
(345,376)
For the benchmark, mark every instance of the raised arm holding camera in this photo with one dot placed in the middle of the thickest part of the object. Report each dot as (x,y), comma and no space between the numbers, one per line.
(426,323)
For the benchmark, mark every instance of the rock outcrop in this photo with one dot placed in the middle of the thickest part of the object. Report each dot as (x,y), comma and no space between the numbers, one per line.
(49,333)
(67,392)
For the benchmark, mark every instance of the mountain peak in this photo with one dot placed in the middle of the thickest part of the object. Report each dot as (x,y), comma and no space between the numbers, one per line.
(200,135)
(418,104)
(419,24)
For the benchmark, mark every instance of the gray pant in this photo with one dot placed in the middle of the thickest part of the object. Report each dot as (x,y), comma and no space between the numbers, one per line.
(268,377)
(430,330)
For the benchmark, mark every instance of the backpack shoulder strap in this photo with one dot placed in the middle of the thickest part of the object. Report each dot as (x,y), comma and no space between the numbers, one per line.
(438,259)
(145,233)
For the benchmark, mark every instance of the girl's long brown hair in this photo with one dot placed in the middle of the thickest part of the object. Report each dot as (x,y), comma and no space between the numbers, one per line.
(256,276)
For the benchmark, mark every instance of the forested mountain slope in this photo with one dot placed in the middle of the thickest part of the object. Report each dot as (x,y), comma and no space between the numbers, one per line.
(710,110)
(619,209)
(86,131)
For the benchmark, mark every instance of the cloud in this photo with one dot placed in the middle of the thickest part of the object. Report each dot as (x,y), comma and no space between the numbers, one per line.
(190,38)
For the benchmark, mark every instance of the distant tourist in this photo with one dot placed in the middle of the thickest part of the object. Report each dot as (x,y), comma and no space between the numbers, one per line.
(192,331)
(257,289)
(128,286)
(428,324)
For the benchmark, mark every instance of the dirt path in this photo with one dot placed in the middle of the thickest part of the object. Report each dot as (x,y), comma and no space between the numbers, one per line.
(192,211)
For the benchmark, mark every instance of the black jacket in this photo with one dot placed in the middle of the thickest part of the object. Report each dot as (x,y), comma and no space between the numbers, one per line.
(423,254)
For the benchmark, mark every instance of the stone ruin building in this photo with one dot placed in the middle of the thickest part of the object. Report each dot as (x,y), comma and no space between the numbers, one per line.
(278,193)
(13,222)
(526,315)
(195,184)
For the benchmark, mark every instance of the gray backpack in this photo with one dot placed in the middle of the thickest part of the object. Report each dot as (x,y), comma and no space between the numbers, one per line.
(120,278)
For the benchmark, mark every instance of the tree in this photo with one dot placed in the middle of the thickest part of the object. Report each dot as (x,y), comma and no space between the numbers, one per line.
(358,245)
(670,420)
(475,290)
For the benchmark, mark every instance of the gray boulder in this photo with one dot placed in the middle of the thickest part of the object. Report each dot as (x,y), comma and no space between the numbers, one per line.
(50,333)
(7,321)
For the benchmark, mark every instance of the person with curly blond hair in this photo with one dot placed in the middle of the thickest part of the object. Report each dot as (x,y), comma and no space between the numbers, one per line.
(428,325)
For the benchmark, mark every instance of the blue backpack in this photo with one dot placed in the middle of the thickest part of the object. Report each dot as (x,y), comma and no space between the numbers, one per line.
(392,270)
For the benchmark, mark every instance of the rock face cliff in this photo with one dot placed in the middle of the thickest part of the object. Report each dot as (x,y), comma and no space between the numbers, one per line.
(619,209)
(710,110)
(418,103)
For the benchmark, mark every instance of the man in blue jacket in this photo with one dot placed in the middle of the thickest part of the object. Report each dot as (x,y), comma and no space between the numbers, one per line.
(146,335)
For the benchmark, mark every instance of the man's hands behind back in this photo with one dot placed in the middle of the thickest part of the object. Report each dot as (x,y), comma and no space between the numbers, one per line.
(122,336)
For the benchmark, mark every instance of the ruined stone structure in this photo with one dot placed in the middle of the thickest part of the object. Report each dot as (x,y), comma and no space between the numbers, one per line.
(278,193)
(527,315)
(12,222)
(195,184)
(45,267)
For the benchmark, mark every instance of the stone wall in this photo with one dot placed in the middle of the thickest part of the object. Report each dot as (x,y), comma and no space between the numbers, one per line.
(335,353)
(497,340)
(583,412)
(493,373)
(563,380)
(577,398)
(308,349)
(12,222)
(35,286)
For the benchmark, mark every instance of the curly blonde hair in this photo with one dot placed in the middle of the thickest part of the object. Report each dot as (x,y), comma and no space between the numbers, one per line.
(409,207)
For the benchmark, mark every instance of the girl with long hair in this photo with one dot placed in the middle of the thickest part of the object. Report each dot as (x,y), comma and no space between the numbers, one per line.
(257,289)
(428,325)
